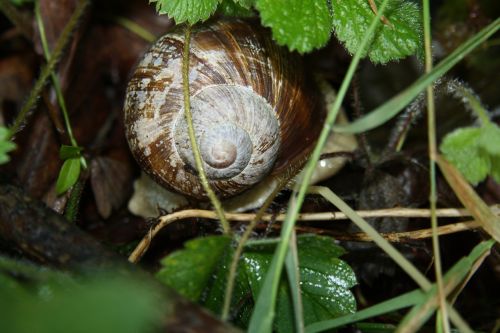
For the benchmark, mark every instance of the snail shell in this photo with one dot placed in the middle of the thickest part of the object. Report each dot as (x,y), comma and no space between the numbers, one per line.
(254,111)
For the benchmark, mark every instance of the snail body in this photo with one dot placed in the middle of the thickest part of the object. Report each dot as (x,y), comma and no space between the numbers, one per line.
(254,111)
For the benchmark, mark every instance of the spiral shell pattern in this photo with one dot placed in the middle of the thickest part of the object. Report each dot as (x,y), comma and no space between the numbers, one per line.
(244,91)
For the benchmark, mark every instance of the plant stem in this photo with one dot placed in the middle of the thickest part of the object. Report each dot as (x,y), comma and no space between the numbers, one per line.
(71,211)
(432,142)
(192,137)
(135,28)
(55,81)
(474,103)
(61,45)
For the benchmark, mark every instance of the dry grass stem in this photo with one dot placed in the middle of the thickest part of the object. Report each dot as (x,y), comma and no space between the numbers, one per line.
(165,220)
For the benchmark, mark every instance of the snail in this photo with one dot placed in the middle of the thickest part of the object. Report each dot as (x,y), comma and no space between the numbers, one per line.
(255,111)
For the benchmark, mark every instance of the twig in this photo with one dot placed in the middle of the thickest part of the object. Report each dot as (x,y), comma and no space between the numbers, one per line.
(192,138)
(324,216)
(393,237)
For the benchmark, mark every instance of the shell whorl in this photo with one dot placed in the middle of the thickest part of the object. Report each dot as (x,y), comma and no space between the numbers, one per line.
(237,130)
(247,98)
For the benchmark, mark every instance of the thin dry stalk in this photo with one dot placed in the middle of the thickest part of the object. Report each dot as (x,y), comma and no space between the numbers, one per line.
(324,216)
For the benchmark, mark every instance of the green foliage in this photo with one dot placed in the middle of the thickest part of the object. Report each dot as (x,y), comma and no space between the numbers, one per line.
(490,139)
(71,168)
(245,3)
(200,271)
(6,145)
(301,25)
(232,9)
(44,301)
(67,152)
(190,11)
(68,175)
(189,270)
(401,36)
(325,281)
(474,151)
(305,25)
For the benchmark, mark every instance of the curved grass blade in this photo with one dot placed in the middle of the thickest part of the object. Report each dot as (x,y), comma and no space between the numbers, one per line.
(391,108)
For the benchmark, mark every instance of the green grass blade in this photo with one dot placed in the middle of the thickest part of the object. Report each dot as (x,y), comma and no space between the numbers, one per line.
(442,320)
(292,270)
(396,303)
(391,251)
(391,108)
(423,311)
(420,313)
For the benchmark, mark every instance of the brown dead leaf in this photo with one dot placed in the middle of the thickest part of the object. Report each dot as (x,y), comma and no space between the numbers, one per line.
(110,180)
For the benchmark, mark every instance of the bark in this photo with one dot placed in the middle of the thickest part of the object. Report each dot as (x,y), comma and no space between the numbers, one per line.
(47,237)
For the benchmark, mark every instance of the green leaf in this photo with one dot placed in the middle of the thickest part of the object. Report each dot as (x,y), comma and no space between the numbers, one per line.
(325,282)
(189,270)
(490,138)
(245,3)
(232,9)
(325,287)
(68,176)
(399,38)
(461,148)
(324,278)
(302,25)
(67,152)
(6,145)
(200,271)
(192,11)
(474,151)
(242,302)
